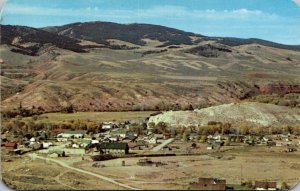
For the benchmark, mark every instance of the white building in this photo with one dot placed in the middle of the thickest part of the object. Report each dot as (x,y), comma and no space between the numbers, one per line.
(46,145)
(71,134)
(107,125)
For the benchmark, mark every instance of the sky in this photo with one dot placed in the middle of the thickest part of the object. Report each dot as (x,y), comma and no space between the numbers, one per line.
(274,20)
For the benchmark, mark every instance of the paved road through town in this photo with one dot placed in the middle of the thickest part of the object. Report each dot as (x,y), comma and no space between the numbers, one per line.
(165,143)
(64,164)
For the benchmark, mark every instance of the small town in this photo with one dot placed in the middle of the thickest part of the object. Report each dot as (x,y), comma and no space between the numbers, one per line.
(142,143)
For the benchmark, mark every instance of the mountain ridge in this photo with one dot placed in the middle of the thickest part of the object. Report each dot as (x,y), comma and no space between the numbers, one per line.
(177,70)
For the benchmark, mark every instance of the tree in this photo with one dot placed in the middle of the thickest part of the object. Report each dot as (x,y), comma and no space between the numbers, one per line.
(185,136)
(285,186)
(245,129)
(161,127)
(68,109)
(92,126)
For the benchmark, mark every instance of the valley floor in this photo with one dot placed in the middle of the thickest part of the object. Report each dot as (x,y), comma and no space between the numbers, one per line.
(237,164)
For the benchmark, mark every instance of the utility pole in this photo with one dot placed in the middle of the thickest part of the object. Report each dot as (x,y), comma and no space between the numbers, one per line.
(241,173)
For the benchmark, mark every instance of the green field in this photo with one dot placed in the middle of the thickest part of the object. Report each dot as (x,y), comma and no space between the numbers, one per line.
(94,116)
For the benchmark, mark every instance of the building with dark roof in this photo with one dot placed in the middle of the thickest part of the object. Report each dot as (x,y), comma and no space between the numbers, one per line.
(208,184)
(113,148)
(263,185)
(11,145)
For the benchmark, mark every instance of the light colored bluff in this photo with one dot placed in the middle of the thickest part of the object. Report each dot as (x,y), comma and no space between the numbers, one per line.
(234,113)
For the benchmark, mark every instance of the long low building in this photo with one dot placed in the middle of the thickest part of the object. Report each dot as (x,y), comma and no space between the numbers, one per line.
(113,148)
(71,134)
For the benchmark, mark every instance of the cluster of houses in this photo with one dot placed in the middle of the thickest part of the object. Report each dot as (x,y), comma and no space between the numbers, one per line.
(220,184)
(115,137)
(285,139)
(27,143)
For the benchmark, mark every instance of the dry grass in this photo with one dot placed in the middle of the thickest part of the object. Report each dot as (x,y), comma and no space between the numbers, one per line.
(94,116)
(257,163)
(23,174)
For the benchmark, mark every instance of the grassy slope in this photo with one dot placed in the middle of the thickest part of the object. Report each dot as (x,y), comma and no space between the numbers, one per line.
(93,116)
(94,80)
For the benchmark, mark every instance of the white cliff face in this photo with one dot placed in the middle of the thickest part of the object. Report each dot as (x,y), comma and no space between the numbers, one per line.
(255,113)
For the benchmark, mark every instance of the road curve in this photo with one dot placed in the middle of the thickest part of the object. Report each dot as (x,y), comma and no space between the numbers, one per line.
(84,171)
(165,143)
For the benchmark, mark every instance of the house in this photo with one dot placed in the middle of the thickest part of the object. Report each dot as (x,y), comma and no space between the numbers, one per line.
(57,153)
(285,137)
(265,139)
(46,145)
(85,143)
(62,139)
(113,148)
(193,136)
(108,125)
(210,147)
(159,136)
(236,137)
(217,138)
(11,145)
(271,143)
(95,141)
(113,139)
(291,148)
(167,135)
(16,152)
(36,146)
(32,140)
(58,130)
(131,135)
(122,133)
(81,143)
(71,134)
(263,185)
(151,140)
(208,184)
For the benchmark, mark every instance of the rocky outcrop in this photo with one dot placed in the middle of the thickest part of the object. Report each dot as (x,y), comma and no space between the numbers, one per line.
(280,89)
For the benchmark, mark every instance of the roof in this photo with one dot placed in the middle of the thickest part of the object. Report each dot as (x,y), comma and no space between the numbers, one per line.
(74,132)
(10,144)
(121,146)
(85,142)
(59,130)
(59,152)
(264,184)
(118,131)
(211,181)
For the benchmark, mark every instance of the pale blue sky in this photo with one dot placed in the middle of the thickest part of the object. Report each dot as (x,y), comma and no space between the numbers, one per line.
(275,20)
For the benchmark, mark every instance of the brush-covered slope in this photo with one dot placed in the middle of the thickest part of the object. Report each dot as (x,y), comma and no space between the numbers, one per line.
(256,113)
(123,75)
(28,40)
(100,32)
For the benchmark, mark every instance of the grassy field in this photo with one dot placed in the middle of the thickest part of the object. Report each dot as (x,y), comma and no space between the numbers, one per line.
(94,116)
(24,174)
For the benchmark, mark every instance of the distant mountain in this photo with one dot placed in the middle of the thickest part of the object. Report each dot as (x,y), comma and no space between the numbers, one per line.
(28,40)
(239,41)
(100,32)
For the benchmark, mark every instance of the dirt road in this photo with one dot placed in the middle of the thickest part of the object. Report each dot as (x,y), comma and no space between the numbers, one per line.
(165,143)
(63,164)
